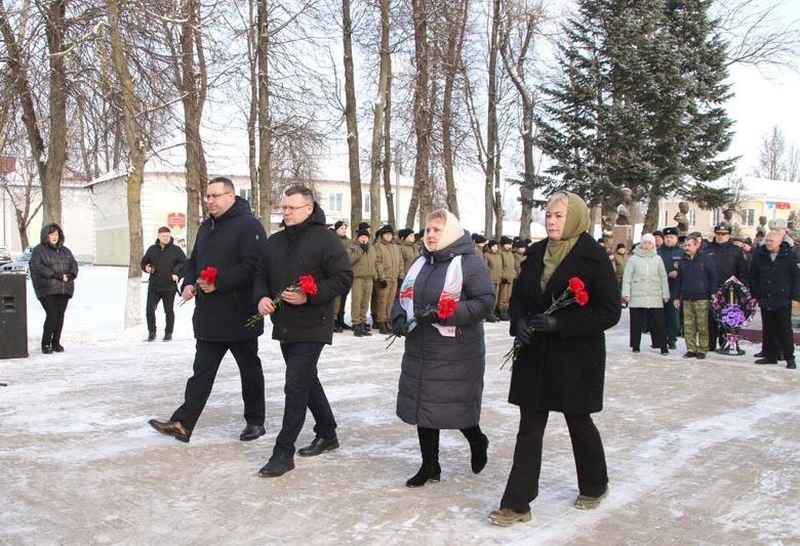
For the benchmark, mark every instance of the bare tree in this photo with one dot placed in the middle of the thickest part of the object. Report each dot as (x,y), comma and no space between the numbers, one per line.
(51,158)
(771,156)
(519,23)
(378,124)
(352,120)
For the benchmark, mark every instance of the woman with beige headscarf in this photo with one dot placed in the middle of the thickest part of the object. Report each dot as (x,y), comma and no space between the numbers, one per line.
(561,366)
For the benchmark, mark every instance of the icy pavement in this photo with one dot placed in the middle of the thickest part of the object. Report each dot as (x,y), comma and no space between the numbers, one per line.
(698,452)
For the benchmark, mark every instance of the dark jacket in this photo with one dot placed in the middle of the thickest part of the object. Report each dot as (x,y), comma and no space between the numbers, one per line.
(775,283)
(233,243)
(671,255)
(309,248)
(49,264)
(166,261)
(697,277)
(565,370)
(728,260)
(441,382)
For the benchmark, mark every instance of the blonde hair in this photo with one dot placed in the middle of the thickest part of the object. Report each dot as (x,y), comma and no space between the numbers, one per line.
(438,214)
(558,197)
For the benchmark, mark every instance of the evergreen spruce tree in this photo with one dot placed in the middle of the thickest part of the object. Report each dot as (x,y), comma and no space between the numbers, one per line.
(640,102)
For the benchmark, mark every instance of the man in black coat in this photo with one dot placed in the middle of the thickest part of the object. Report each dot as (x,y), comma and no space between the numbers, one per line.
(775,282)
(231,241)
(729,261)
(302,323)
(163,261)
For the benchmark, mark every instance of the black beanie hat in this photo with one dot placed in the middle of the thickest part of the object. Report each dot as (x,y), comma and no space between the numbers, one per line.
(362,231)
(506,240)
(478,238)
(403,233)
(339,224)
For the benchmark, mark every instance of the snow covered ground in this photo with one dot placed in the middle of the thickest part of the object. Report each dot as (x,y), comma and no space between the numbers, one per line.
(698,452)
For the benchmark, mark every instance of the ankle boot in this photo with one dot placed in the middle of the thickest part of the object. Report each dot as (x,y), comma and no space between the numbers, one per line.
(430,471)
(479,458)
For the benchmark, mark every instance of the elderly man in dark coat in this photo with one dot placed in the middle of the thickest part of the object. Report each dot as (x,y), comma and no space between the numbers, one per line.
(775,282)
(53,271)
(441,383)
(562,363)
(231,240)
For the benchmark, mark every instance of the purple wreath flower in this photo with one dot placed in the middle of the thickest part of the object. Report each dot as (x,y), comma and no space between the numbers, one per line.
(733,316)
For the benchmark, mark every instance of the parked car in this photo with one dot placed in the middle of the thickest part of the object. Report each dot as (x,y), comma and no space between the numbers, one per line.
(20,265)
(5,255)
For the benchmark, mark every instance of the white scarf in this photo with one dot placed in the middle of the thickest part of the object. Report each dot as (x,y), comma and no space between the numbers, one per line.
(453,281)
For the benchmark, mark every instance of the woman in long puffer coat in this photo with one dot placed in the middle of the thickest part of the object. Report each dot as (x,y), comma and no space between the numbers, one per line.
(53,271)
(441,382)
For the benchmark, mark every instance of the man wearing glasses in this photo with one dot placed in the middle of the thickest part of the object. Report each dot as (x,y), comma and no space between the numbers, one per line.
(232,241)
(303,324)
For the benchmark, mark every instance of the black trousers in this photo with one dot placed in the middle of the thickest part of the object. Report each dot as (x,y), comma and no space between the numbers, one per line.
(714,333)
(777,333)
(54,307)
(168,299)
(652,317)
(429,441)
(587,447)
(303,391)
(207,359)
(340,316)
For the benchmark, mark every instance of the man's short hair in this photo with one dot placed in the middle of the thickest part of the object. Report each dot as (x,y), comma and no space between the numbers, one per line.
(694,236)
(225,181)
(299,189)
(164,229)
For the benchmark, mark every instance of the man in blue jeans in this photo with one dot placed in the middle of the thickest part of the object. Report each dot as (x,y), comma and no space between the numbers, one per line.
(302,323)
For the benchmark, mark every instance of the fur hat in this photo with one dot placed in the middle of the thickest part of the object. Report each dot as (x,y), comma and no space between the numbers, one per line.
(386,228)
(519,244)
(362,232)
(478,238)
(506,240)
(671,231)
(403,233)
(339,224)
(363,225)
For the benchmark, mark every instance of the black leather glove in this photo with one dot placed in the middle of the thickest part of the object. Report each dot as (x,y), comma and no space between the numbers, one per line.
(544,323)
(523,335)
(400,325)
(429,316)
(382,283)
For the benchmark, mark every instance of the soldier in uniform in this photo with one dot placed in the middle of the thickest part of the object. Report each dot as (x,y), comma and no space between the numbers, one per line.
(408,249)
(340,228)
(389,267)
(362,256)
(491,253)
(507,277)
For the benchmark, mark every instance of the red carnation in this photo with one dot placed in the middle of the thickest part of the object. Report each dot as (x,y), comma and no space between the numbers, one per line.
(447,307)
(308,285)
(582,298)
(577,285)
(209,274)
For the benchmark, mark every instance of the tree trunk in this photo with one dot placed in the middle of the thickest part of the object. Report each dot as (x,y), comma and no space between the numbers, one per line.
(252,117)
(491,122)
(352,121)
(455,42)
(379,110)
(192,84)
(387,144)
(264,121)
(136,157)
(422,114)
(499,212)
(651,216)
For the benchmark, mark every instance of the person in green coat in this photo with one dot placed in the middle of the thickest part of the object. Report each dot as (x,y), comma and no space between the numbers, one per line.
(363,257)
(491,254)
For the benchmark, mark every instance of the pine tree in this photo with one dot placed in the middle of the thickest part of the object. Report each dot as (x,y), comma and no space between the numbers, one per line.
(640,102)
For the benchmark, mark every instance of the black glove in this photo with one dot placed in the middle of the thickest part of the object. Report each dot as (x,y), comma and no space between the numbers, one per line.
(382,283)
(544,323)
(400,325)
(365,247)
(523,335)
(431,316)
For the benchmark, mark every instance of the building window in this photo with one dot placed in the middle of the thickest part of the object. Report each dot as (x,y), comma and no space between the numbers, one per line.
(335,202)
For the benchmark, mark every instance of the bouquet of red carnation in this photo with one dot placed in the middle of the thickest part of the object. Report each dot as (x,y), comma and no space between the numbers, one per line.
(208,275)
(575,293)
(306,284)
(446,309)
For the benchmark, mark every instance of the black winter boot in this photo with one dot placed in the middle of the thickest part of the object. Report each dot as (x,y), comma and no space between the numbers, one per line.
(790,364)
(430,471)
(479,457)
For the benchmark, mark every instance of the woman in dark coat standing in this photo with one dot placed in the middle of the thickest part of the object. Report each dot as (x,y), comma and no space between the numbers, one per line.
(562,364)
(53,271)
(441,383)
